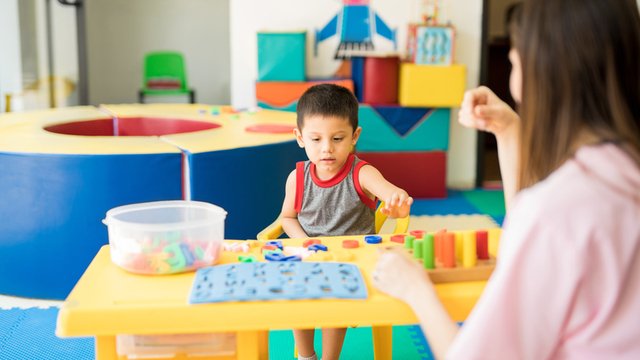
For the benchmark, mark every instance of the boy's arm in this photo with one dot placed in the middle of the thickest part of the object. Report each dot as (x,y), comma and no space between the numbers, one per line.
(289,216)
(397,201)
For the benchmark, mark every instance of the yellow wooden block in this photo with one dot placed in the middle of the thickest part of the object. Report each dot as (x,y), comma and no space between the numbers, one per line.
(494,241)
(469,257)
(431,85)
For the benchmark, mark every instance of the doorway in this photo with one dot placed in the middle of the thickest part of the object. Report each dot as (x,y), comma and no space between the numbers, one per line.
(495,70)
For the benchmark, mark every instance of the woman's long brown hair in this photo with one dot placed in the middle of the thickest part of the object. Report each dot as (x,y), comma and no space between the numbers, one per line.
(581,74)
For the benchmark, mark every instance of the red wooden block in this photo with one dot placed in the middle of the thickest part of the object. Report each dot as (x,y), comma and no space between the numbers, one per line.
(398,238)
(421,174)
(482,245)
(350,244)
(380,83)
(310,242)
(419,234)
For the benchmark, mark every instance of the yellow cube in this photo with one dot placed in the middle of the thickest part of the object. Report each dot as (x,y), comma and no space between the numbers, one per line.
(431,85)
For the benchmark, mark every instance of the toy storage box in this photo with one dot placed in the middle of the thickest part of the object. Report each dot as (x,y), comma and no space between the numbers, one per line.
(165,237)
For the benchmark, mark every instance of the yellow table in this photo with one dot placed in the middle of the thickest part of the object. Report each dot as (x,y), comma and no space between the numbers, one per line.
(108,301)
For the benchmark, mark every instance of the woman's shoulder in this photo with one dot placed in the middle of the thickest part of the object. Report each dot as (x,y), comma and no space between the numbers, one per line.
(595,185)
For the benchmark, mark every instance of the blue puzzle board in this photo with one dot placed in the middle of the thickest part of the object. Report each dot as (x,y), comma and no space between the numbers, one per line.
(277,280)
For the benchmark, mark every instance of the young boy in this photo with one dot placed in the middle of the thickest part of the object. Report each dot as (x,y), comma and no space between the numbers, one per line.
(333,193)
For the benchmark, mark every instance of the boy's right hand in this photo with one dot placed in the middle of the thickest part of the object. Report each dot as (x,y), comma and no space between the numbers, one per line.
(483,110)
(398,205)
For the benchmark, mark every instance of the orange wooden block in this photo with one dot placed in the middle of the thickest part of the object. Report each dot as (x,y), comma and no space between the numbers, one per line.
(449,250)
(438,244)
(282,94)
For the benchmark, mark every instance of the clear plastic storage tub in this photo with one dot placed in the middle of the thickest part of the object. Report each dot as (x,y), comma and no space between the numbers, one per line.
(165,237)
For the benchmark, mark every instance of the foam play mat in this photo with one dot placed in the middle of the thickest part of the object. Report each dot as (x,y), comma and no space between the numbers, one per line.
(29,334)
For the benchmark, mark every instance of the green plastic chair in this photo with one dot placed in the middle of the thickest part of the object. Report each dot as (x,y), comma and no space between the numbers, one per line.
(164,74)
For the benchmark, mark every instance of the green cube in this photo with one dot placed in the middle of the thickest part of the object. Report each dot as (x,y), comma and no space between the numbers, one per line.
(281,56)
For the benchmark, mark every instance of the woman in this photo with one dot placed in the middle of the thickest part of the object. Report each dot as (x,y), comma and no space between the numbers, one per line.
(567,284)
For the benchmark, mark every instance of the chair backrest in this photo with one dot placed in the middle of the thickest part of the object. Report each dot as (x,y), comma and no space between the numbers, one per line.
(402,224)
(274,230)
(164,69)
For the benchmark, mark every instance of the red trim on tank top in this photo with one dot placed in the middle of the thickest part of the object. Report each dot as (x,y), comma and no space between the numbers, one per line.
(337,178)
(299,186)
(371,203)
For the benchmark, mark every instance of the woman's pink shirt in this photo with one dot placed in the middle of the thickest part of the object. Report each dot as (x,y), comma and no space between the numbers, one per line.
(567,283)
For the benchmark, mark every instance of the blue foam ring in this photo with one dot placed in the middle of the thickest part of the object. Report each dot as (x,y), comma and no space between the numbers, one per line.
(318,247)
(275,257)
(292,258)
(373,239)
(276,243)
(188,255)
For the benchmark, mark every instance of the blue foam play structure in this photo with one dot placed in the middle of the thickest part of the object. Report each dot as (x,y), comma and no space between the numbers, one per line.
(52,206)
(247,182)
(58,179)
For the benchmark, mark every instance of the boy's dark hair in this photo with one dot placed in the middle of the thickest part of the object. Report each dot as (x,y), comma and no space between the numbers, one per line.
(328,100)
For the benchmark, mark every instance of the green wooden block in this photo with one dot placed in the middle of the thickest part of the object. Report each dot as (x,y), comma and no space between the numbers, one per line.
(247,258)
(417,249)
(281,56)
(408,241)
(428,252)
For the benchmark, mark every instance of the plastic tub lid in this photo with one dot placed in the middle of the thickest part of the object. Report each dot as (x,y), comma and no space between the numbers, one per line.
(111,216)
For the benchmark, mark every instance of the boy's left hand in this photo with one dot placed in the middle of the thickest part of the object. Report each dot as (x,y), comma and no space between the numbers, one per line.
(397,205)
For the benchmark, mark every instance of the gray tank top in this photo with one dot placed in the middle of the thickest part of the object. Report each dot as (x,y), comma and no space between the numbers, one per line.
(334,207)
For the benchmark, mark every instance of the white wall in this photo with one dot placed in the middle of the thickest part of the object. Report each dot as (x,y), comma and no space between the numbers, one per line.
(120,32)
(65,44)
(466,15)
(10,62)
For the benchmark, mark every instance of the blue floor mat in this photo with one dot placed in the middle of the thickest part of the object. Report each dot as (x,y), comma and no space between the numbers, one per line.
(30,334)
(454,204)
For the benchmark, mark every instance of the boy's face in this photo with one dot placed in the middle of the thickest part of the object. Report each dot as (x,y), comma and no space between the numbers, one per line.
(328,141)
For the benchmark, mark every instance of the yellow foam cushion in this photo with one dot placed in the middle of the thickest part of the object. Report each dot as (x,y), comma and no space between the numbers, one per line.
(431,85)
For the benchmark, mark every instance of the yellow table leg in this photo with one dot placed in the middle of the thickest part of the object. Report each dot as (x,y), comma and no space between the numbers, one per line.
(106,348)
(263,344)
(248,345)
(382,340)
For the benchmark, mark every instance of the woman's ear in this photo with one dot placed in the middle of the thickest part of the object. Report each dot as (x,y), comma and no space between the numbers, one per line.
(298,135)
(356,135)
